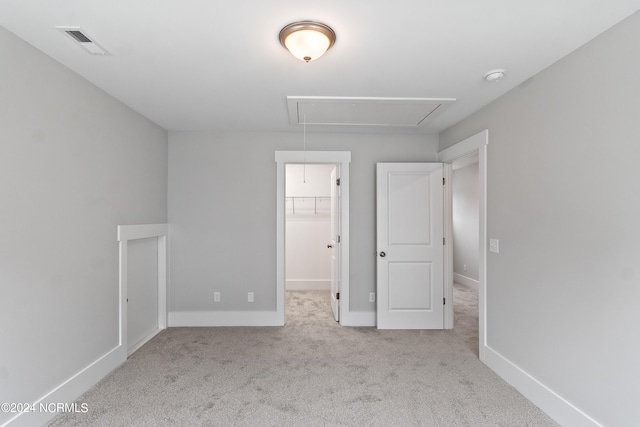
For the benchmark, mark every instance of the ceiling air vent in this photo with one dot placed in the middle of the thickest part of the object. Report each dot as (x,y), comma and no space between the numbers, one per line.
(78,35)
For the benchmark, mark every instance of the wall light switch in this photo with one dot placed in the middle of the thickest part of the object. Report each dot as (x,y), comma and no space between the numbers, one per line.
(494,245)
(250,297)
(216,297)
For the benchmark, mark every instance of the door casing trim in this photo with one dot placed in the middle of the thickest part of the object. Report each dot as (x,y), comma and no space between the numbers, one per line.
(342,158)
(134,232)
(476,143)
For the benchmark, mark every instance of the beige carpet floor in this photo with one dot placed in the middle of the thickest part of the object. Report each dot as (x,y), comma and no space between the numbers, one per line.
(311,372)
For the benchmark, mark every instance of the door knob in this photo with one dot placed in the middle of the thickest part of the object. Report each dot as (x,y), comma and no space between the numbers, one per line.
(329,246)
(382,254)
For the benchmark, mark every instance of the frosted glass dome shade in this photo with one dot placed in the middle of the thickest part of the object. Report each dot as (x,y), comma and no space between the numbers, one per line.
(307,40)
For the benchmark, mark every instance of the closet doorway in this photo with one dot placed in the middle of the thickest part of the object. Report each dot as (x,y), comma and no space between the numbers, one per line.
(340,233)
(312,231)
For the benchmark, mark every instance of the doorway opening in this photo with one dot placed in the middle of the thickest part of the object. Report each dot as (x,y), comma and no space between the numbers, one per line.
(311,265)
(476,144)
(465,226)
(340,219)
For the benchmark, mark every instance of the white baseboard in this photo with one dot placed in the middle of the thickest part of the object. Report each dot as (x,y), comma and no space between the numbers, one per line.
(358,318)
(470,283)
(142,342)
(561,410)
(255,318)
(70,390)
(307,285)
(225,318)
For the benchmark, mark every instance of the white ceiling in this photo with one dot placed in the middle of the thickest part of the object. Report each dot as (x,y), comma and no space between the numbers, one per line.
(213,65)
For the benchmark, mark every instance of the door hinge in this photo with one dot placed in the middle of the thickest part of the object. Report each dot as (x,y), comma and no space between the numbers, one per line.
(444,301)
(442,180)
(443,241)
(338,182)
(338,239)
(337,295)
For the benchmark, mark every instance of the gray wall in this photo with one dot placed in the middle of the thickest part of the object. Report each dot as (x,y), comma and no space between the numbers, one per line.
(74,163)
(222,210)
(466,212)
(564,200)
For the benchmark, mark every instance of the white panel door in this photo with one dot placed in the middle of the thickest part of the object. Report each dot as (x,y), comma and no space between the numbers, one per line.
(410,247)
(334,244)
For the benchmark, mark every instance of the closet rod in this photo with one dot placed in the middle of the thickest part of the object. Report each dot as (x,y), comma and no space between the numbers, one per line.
(315,202)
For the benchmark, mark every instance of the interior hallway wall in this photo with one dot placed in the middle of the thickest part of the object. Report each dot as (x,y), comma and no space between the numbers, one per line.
(222,240)
(563,186)
(74,164)
(308,227)
(466,221)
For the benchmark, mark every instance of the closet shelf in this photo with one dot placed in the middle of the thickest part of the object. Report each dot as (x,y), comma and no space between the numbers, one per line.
(303,199)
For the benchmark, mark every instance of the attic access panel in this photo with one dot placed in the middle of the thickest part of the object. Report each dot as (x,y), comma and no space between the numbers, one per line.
(348,111)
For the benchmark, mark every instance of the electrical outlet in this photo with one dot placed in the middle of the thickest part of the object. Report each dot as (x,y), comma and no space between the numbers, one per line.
(464,267)
(372,297)
(250,297)
(216,297)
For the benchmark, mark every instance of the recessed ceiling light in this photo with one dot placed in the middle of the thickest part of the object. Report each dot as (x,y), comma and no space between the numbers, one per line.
(494,75)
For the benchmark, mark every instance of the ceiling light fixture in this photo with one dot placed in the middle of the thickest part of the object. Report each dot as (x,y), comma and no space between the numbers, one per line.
(494,75)
(307,40)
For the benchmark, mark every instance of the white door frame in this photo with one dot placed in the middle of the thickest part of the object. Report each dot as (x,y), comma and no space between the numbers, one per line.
(476,143)
(134,232)
(335,242)
(342,158)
